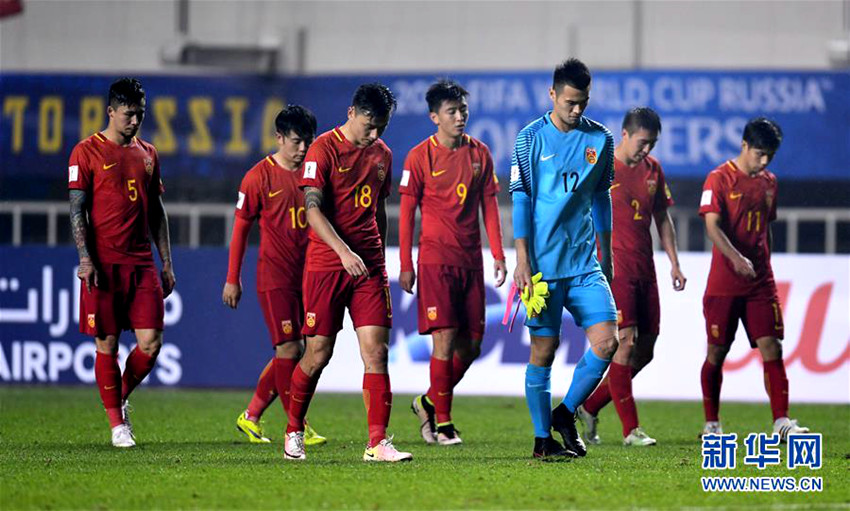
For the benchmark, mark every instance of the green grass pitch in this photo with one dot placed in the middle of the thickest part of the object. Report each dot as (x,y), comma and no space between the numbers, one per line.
(56,455)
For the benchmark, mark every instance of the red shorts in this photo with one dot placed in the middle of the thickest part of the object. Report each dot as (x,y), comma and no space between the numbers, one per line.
(451,297)
(328,293)
(637,304)
(127,297)
(283,312)
(762,317)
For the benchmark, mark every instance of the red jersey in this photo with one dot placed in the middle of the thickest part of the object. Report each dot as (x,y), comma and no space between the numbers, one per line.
(270,192)
(353,180)
(450,185)
(637,193)
(120,182)
(746,205)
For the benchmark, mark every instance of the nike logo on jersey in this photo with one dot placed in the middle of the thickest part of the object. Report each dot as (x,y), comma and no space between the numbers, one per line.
(544,158)
(275,194)
(343,170)
(435,173)
(107,167)
(734,195)
(615,186)
(109,387)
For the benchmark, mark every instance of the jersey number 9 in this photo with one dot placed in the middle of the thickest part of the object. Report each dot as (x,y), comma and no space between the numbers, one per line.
(461,192)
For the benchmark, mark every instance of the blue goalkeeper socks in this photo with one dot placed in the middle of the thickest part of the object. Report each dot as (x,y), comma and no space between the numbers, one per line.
(586,377)
(538,395)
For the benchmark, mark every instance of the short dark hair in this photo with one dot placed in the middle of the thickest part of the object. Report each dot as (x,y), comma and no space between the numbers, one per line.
(444,90)
(571,72)
(641,117)
(763,133)
(126,91)
(297,119)
(374,99)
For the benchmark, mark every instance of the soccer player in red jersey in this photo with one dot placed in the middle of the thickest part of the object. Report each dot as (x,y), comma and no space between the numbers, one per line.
(115,193)
(738,204)
(450,176)
(639,193)
(270,193)
(346,181)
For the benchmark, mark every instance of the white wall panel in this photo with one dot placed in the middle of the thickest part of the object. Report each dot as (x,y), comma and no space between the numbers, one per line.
(365,36)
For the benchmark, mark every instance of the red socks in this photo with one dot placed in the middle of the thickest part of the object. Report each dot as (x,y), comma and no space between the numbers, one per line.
(139,365)
(378,399)
(108,377)
(265,393)
(600,397)
(283,368)
(301,391)
(776,385)
(459,368)
(712,378)
(440,392)
(620,383)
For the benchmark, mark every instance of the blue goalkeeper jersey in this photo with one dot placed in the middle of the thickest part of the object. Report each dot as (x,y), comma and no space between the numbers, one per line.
(556,178)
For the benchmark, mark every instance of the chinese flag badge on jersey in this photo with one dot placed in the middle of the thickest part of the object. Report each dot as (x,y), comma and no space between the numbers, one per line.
(432,313)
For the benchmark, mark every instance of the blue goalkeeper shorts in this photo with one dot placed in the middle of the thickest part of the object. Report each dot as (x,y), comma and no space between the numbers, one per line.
(587,297)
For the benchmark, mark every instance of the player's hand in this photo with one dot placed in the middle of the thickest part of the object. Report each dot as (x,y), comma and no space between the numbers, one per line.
(231,295)
(87,273)
(500,272)
(679,278)
(744,267)
(522,275)
(406,280)
(168,279)
(353,264)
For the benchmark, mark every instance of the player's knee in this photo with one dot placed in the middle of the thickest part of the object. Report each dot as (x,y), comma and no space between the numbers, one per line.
(468,350)
(290,350)
(543,355)
(107,345)
(717,354)
(607,347)
(149,342)
(770,348)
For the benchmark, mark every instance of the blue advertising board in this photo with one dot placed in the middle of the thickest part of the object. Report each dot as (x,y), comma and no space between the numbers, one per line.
(212,127)
(206,343)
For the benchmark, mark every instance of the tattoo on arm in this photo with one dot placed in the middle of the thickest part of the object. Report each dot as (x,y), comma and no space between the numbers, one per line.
(312,198)
(79,222)
(159,229)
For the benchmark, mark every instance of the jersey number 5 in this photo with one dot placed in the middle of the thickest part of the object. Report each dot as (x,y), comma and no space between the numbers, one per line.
(133,191)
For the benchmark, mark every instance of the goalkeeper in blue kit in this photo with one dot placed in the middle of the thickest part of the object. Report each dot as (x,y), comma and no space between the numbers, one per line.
(561,171)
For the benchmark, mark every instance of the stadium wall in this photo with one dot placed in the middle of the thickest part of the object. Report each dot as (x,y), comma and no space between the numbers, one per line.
(362,36)
(208,345)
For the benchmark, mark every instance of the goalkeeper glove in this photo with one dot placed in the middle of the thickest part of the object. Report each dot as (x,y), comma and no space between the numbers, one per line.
(535,298)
